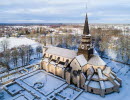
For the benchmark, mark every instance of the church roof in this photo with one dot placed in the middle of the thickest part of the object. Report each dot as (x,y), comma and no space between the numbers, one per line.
(96,60)
(94,84)
(108,84)
(81,59)
(62,52)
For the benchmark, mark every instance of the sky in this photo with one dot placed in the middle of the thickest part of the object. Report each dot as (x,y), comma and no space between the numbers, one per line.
(65,11)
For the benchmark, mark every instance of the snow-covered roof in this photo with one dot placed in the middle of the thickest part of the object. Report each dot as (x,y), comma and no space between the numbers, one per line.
(104,77)
(94,84)
(95,76)
(61,52)
(108,84)
(81,59)
(107,71)
(96,60)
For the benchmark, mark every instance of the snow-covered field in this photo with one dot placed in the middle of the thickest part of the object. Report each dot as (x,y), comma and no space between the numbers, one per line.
(50,83)
(70,93)
(14,88)
(27,82)
(15,42)
(2,69)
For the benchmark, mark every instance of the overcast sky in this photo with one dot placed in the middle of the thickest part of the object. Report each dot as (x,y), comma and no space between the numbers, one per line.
(64,11)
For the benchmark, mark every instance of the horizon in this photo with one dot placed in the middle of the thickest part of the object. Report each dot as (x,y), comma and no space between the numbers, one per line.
(69,23)
(69,11)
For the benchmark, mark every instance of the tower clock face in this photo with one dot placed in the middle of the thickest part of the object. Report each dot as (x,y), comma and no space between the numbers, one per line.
(82,46)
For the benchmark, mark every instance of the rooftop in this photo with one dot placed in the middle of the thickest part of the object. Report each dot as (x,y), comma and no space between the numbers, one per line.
(96,60)
(81,59)
(61,52)
(94,84)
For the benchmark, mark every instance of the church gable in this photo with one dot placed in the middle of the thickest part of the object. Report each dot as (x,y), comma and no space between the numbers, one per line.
(81,60)
(78,62)
(75,65)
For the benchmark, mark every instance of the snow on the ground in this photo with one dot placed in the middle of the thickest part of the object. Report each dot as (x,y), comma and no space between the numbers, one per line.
(118,68)
(15,42)
(21,71)
(112,53)
(2,69)
(21,98)
(28,95)
(14,88)
(50,83)
(69,92)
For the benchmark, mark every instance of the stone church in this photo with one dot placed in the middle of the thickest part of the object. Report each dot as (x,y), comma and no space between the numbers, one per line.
(82,68)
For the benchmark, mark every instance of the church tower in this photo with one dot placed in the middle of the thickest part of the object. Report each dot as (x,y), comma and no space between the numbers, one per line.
(85,46)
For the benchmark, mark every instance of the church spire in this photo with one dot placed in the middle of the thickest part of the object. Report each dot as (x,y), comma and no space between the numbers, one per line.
(85,47)
(86,26)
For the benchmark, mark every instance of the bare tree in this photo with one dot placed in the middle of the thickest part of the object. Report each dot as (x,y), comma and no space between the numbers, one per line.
(4,45)
(103,46)
(43,40)
(38,50)
(6,61)
(6,56)
(28,52)
(22,54)
(15,56)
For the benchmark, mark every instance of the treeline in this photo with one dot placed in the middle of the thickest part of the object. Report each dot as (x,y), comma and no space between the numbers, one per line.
(112,40)
(21,55)
(66,40)
(32,32)
(9,31)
